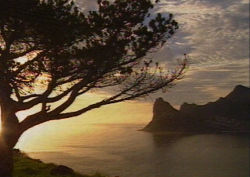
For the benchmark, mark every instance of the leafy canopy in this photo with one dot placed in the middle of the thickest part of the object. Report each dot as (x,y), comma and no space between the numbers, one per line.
(50,51)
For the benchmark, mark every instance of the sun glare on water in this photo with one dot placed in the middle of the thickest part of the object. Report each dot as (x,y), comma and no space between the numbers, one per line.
(54,134)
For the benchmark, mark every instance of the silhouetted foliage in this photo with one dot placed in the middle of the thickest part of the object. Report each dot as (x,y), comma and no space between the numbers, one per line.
(50,50)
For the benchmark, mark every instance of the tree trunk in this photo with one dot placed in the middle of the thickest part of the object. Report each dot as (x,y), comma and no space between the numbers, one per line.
(8,138)
(6,160)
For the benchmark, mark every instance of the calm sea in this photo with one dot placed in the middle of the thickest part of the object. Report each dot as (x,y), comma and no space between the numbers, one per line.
(121,150)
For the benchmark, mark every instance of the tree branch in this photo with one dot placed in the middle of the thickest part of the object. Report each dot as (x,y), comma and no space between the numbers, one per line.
(57,114)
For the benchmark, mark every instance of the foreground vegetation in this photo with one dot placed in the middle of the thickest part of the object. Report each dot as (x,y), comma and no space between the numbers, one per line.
(25,166)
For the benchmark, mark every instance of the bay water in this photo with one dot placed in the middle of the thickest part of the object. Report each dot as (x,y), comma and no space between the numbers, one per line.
(121,150)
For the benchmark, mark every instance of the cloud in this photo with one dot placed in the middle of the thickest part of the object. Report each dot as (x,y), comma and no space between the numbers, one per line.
(210,30)
(215,33)
(216,36)
(204,84)
(87,5)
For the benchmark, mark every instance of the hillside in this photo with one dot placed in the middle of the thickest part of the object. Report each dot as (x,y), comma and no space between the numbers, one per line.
(228,114)
(24,166)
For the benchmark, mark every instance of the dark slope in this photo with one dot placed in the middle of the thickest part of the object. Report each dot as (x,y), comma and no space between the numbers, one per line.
(231,113)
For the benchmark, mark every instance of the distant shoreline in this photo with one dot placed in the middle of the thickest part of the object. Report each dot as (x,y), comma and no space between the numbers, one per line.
(196,132)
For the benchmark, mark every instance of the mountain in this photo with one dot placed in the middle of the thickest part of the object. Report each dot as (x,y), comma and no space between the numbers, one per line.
(228,114)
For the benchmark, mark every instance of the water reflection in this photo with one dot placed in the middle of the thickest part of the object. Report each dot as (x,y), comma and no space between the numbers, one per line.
(164,139)
(203,155)
(121,150)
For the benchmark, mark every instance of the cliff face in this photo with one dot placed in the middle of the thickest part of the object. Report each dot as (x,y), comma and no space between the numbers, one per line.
(231,113)
(161,109)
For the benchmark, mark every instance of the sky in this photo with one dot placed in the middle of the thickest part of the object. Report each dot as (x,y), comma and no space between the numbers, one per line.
(215,35)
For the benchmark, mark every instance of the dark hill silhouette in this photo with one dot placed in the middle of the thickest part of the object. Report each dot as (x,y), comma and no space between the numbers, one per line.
(228,114)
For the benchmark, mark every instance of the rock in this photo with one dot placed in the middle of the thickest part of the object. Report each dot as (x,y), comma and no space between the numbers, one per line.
(240,93)
(231,113)
(162,108)
(62,170)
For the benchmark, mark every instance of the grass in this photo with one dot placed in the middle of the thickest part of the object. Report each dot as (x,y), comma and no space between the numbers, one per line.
(25,166)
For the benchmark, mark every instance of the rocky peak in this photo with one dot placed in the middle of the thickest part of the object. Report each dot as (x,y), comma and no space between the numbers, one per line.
(239,93)
(230,113)
(241,88)
(161,105)
(161,108)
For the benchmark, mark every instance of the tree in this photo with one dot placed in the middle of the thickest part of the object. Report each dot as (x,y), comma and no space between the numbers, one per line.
(51,51)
